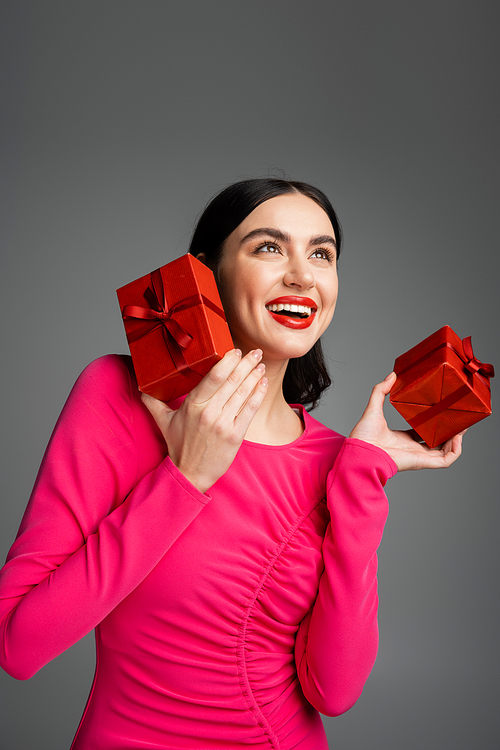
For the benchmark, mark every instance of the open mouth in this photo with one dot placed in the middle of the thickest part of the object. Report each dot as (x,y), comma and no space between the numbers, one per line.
(292,312)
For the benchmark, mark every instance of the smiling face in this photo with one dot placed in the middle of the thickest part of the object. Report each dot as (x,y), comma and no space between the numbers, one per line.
(278,277)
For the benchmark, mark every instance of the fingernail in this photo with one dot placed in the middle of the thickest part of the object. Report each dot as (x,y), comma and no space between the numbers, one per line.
(260,368)
(257,353)
(264,382)
(238,352)
(389,376)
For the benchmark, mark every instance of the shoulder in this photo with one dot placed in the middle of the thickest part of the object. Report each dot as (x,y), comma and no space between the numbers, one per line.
(108,379)
(320,444)
(318,431)
(104,418)
(106,391)
(113,370)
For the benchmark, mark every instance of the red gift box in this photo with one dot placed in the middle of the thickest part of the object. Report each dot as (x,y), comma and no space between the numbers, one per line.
(175,327)
(441,387)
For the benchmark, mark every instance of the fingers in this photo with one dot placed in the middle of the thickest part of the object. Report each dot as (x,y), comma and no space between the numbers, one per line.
(242,380)
(231,379)
(387,383)
(160,411)
(452,449)
(446,456)
(379,392)
(154,405)
(215,378)
(247,411)
(439,458)
(239,398)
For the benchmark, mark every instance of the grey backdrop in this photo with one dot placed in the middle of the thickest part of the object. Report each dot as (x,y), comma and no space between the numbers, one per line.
(120,120)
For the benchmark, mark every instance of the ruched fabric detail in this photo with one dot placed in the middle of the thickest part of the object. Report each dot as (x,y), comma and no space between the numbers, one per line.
(265,642)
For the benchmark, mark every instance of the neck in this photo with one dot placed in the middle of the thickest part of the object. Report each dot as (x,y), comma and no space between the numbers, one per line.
(275,423)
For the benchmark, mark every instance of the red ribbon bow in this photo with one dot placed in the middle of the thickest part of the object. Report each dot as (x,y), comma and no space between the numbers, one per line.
(158,315)
(475,365)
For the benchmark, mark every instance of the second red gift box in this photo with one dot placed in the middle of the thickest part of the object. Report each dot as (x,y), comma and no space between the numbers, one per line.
(441,387)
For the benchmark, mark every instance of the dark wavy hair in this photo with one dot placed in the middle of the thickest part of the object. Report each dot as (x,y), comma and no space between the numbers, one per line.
(306,377)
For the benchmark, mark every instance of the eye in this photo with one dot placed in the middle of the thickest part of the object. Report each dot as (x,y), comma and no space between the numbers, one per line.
(324,254)
(268,247)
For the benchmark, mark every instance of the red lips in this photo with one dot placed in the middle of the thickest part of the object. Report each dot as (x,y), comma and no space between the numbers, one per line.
(290,322)
(293,300)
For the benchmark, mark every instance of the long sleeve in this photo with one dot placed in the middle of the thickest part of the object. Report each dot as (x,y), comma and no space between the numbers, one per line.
(104,510)
(337,642)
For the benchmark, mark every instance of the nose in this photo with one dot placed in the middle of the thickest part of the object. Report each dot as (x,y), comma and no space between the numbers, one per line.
(299,274)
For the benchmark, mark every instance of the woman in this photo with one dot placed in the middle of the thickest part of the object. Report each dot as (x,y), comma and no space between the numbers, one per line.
(224,548)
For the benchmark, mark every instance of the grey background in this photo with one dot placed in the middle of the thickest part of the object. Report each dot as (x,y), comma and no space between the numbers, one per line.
(119,121)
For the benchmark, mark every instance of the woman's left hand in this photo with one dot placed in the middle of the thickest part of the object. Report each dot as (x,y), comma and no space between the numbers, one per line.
(402,446)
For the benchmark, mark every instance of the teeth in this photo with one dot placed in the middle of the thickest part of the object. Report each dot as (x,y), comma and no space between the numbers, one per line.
(289,308)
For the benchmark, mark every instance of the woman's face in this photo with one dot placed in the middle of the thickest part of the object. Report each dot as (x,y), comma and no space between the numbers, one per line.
(278,277)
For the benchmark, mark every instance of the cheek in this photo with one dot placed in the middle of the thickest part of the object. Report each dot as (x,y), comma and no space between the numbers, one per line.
(229,296)
(330,294)
(238,288)
(232,298)
(224,287)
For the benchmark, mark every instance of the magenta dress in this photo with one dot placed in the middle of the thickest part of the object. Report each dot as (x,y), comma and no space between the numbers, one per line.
(223,620)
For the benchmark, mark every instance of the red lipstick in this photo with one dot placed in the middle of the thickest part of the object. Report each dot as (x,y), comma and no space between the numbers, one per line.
(291,322)
(294,300)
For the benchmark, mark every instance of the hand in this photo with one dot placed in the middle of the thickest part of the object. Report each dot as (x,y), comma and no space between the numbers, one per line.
(402,446)
(203,436)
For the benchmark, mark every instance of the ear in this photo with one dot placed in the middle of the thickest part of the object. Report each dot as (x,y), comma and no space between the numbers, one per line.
(202,257)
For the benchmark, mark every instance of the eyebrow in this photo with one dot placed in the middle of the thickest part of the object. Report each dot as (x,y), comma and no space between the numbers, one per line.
(277,234)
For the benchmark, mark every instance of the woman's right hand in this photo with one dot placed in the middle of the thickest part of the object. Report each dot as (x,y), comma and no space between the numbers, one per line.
(205,433)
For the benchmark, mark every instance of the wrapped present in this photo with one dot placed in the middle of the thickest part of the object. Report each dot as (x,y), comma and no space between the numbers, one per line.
(441,387)
(175,327)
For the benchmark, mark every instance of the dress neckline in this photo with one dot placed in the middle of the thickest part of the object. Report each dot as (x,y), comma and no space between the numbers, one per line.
(298,409)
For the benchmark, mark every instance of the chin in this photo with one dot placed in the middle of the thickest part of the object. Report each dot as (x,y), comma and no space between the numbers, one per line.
(282,345)
(294,351)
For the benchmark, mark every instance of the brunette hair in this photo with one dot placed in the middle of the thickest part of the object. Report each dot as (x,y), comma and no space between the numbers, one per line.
(306,377)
